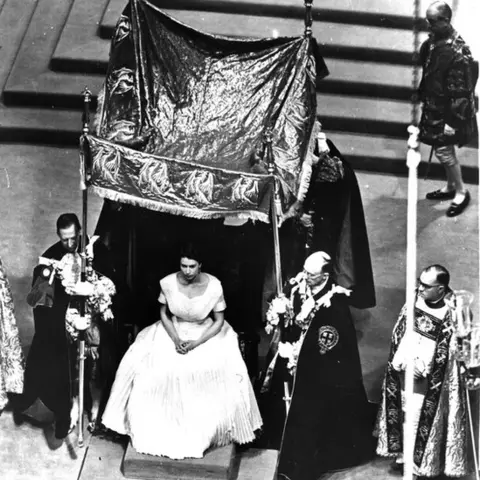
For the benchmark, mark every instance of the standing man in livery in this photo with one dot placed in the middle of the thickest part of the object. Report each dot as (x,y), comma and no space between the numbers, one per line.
(447,94)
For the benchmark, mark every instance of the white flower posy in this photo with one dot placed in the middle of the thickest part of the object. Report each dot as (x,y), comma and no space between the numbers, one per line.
(98,291)
(281,307)
(290,351)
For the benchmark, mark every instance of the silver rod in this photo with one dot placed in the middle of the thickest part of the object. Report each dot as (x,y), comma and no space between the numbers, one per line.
(81,336)
(308,18)
(274,207)
(413,160)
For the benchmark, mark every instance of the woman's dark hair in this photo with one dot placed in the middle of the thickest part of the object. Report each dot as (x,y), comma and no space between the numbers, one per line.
(66,220)
(191,252)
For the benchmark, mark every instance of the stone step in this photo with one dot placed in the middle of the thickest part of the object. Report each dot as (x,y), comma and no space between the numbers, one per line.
(381,154)
(31,62)
(30,77)
(42,126)
(336,112)
(79,51)
(351,41)
(380,13)
(14,20)
(374,153)
(32,83)
(80,41)
(363,104)
(51,90)
(363,115)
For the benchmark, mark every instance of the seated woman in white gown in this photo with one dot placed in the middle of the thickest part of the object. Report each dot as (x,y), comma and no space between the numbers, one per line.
(183,387)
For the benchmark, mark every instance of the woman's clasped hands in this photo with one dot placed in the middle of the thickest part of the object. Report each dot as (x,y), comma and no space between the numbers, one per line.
(185,346)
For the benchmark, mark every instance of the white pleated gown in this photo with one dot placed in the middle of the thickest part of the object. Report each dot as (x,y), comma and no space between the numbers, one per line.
(178,405)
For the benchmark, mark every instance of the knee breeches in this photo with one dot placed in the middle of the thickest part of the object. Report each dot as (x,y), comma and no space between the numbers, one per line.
(446,155)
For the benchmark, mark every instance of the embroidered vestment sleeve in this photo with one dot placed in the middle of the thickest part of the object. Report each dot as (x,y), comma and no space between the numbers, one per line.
(459,92)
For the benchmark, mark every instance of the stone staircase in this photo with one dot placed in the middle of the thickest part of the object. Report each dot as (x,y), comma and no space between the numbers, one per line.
(51,49)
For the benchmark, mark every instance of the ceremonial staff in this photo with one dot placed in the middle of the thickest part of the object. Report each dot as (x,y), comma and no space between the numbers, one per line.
(308,18)
(84,162)
(308,33)
(274,208)
(413,160)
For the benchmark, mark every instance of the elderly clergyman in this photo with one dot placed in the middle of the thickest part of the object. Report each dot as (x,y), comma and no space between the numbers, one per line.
(447,93)
(317,367)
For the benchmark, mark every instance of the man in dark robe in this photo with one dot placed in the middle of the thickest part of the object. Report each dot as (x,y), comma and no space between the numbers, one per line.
(50,372)
(335,221)
(329,218)
(316,367)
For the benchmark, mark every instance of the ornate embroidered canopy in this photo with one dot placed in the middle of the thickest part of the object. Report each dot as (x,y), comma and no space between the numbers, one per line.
(182,117)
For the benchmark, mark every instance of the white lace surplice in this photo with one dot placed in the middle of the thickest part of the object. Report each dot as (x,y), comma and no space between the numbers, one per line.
(415,344)
(179,405)
(446,448)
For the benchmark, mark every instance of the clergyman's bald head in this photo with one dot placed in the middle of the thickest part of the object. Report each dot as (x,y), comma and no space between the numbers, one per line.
(441,273)
(318,262)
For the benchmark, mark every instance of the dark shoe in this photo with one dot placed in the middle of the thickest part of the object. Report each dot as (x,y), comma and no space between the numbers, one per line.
(18,418)
(105,433)
(439,195)
(53,442)
(457,208)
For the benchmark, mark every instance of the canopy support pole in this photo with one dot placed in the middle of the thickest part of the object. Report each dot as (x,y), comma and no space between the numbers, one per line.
(308,18)
(81,334)
(274,209)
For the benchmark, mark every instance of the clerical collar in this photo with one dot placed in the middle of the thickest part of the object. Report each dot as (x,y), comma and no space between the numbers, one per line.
(438,304)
